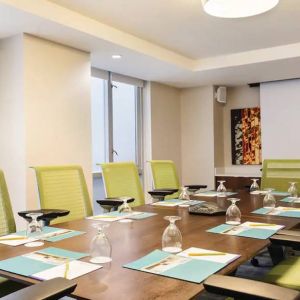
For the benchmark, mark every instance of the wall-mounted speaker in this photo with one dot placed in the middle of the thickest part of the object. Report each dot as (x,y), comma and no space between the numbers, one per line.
(221,94)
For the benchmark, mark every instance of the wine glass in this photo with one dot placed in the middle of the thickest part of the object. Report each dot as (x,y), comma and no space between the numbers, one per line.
(124,208)
(269,200)
(293,189)
(100,246)
(184,195)
(221,190)
(172,238)
(254,186)
(34,229)
(233,213)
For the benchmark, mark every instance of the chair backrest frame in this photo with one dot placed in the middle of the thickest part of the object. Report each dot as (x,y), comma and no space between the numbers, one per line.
(7,221)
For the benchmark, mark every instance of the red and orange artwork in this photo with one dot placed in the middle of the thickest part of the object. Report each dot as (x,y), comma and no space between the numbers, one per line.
(246,136)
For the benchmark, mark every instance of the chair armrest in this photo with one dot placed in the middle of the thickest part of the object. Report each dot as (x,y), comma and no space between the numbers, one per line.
(286,240)
(114,201)
(289,232)
(196,186)
(52,289)
(247,289)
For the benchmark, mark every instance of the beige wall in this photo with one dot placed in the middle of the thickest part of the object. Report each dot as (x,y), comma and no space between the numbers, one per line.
(12,131)
(237,97)
(197,136)
(57,108)
(165,123)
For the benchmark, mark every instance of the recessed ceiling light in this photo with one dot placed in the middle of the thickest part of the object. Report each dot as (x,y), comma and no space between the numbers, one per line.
(237,8)
(116,56)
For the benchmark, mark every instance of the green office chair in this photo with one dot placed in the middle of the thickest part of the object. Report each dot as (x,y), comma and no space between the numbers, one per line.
(7,225)
(165,176)
(281,282)
(277,173)
(121,179)
(64,187)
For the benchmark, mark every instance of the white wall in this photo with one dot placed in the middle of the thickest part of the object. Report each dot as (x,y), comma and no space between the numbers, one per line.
(12,131)
(197,136)
(57,108)
(45,116)
(280,105)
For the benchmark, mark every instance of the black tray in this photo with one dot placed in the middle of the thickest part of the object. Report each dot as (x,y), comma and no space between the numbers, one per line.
(48,214)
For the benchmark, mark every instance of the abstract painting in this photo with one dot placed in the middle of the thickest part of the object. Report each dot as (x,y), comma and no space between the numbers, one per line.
(246,136)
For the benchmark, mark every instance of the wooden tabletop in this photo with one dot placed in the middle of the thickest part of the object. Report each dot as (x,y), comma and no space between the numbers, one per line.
(131,241)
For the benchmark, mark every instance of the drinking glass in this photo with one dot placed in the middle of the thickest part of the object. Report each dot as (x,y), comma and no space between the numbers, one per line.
(254,186)
(34,229)
(184,195)
(125,208)
(233,213)
(221,190)
(100,245)
(269,200)
(172,238)
(293,189)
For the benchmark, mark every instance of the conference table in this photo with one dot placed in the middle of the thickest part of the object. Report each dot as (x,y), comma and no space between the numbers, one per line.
(131,241)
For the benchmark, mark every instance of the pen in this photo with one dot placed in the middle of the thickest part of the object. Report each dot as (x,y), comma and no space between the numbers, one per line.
(67,269)
(13,238)
(207,254)
(104,217)
(262,224)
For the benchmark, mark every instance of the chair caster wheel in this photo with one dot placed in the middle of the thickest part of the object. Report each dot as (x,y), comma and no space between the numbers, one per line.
(254,262)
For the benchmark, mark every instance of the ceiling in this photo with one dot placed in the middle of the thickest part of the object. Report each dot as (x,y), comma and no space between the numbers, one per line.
(173,42)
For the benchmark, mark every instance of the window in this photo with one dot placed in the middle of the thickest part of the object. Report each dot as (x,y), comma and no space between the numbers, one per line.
(116,120)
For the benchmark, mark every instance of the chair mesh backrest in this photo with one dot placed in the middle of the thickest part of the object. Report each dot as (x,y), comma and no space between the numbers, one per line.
(121,179)
(165,175)
(277,173)
(64,187)
(7,222)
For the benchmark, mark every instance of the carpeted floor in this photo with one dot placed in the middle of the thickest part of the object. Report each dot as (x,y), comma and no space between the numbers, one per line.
(246,270)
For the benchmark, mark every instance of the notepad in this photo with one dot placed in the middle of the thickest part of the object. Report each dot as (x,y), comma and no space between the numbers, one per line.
(176,202)
(15,240)
(177,266)
(248,229)
(213,194)
(116,216)
(76,268)
(291,212)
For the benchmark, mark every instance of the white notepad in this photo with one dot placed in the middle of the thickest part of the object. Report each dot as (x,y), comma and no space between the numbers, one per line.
(76,268)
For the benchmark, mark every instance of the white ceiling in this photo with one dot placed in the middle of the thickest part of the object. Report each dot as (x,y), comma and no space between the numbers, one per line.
(173,42)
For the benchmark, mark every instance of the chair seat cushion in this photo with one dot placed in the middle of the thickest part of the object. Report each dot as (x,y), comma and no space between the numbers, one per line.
(286,273)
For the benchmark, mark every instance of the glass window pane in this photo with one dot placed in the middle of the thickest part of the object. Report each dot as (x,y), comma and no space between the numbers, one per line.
(98,94)
(124,122)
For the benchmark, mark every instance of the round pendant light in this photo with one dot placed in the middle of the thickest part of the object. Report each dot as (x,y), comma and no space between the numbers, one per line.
(237,8)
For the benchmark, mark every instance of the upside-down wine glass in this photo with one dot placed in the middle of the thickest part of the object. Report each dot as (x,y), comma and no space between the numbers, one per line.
(233,213)
(100,246)
(269,200)
(34,229)
(221,190)
(293,189)
(254,186)
(184,195)
(125,208)
(172,238)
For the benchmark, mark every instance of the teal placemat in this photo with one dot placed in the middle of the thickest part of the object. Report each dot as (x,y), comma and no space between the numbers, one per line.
(48,229)
(23,265)
(256,233)
(64,253)
(290,214)
(192,270)
(290,200)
